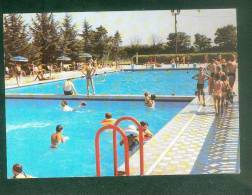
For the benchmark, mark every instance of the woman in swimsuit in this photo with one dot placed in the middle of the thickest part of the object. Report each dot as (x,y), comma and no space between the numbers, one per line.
(218,85)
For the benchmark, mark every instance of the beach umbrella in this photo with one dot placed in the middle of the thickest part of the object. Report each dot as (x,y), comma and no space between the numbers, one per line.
(19,59)
(63,58)
(85,55)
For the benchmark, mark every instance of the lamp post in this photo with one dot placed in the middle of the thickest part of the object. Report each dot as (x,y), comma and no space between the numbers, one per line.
(175,13)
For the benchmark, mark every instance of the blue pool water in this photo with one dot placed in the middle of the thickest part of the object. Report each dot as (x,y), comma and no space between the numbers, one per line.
(165,82)
(31,122)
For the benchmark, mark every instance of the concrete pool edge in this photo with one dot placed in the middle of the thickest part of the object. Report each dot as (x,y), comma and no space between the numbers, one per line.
(99,97)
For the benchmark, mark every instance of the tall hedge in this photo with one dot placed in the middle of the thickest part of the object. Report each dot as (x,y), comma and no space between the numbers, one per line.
(190,57)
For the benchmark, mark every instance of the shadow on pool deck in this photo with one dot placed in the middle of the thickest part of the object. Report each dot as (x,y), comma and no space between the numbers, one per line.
(220,152)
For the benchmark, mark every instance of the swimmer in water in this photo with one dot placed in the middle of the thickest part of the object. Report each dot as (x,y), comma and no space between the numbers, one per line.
(67,108)
(108,119)
(146,97)
(151,101)
(57,137)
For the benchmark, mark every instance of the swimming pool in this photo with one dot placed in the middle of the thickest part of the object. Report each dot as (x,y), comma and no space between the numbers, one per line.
(30,123)
(162,82)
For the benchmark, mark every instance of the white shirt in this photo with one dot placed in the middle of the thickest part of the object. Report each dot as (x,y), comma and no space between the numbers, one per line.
(67,108)
(68,86)
(22,176)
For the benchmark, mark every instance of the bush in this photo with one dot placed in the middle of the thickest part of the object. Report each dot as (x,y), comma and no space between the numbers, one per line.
(189,57)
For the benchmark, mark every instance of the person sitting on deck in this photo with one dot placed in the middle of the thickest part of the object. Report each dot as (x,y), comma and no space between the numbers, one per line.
(146,132)
(108,119)
(69,88)
(18,172)
(132,136)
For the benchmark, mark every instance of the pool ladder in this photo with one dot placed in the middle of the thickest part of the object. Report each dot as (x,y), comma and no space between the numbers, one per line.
(116,129)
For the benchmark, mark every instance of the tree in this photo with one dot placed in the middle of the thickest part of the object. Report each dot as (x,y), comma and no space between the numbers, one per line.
(45,38)
(87,36)
(183,41)
(226,38)
(100,42)
(116,43)
(202,42)
(68,42)
(15,36)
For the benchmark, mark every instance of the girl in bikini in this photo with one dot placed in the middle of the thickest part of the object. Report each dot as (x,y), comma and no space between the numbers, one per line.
(218,85)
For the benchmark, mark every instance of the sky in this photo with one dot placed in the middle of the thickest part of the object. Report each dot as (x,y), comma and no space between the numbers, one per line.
(144,25)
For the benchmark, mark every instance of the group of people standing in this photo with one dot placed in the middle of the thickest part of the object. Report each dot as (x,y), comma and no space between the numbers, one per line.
(221,76)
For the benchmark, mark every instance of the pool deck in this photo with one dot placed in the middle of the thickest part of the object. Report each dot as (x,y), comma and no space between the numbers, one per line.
(30,80)
(195,141)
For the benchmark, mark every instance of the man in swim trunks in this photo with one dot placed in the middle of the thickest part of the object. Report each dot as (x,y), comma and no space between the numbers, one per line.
(57,137)
(69,88)
(201,77)
(89,71)
(231,71)
(108,119)
(212,67)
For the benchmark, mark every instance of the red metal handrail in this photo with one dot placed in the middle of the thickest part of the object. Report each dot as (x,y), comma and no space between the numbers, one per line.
(126,149)
(140,128)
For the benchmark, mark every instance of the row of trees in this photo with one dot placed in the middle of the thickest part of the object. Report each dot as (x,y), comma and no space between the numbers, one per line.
(45,40)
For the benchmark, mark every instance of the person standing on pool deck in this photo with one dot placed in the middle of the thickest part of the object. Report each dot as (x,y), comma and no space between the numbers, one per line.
(89,71)
(231,71)
(69,88)
(218,87)
(18,72)
(201,77)
(57,137)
